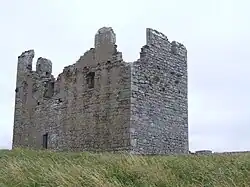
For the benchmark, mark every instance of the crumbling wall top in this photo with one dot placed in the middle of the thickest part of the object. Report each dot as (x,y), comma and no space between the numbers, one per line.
(105,29)
(25,61)
(178,49)
(28,53)
(43,66)
(159,40)
(152,35)
(105,35)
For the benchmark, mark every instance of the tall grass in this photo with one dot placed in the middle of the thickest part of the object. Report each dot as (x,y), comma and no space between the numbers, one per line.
(23,168)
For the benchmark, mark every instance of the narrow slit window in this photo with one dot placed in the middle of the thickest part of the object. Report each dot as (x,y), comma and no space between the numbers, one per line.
(45,141)
(25,92)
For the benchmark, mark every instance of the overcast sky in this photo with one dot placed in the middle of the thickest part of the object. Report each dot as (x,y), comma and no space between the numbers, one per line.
(215,32)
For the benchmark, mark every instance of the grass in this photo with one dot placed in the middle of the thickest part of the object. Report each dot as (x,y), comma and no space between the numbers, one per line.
(26,168)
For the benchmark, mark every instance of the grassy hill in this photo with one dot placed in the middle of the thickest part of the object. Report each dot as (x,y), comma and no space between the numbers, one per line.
(43,168)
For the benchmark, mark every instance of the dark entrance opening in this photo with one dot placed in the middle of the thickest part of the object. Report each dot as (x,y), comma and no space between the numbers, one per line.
(45,141)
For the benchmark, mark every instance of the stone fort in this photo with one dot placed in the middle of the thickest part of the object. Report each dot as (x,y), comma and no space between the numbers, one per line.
(102,103)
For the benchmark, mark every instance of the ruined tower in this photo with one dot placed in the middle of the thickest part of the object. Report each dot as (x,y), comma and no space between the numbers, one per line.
(102,103)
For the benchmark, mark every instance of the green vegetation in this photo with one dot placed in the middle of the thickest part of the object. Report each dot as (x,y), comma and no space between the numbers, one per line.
(43,168)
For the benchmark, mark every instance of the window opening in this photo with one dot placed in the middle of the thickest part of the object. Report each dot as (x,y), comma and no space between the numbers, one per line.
(91,79)
(25,92)
(49,89)
(45,141)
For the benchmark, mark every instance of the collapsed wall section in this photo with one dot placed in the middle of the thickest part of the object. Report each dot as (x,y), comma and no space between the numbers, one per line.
(159,105)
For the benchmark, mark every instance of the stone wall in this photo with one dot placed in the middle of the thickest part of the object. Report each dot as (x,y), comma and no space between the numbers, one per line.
(86,108)
(22,100)
(210,152)
(102,103)
(159,97)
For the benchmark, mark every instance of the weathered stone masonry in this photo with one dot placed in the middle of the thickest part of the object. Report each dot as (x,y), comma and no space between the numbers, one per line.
(102,103)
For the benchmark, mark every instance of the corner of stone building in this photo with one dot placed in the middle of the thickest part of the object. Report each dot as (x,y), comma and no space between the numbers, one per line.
(23,75)
(178,49)
(158,39)
(151,81)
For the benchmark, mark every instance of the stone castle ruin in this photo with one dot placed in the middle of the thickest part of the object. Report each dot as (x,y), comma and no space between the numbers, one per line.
(102,103)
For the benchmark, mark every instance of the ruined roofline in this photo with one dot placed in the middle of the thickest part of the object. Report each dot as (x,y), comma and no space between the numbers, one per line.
(43,65)
(27,53)
(153,37)
(152,33)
